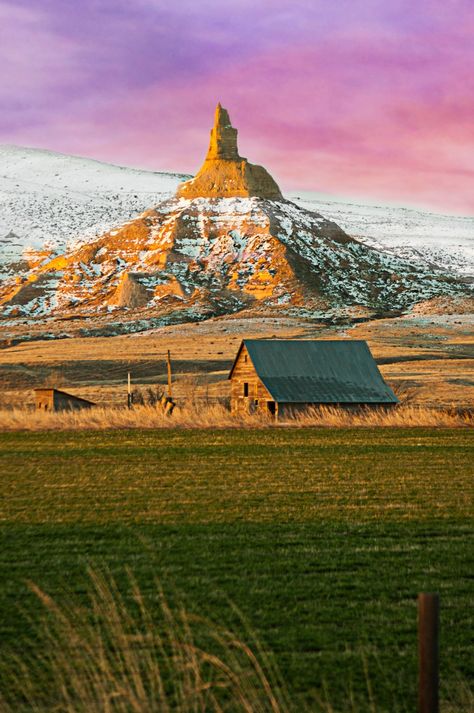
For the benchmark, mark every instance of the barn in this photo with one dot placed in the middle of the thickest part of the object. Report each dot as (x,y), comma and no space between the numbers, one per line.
(282,376)
(56,400)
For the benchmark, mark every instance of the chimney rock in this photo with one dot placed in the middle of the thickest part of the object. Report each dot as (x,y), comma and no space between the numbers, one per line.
(225,174)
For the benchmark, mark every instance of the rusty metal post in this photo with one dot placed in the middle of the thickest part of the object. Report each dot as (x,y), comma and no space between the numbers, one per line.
(428,653)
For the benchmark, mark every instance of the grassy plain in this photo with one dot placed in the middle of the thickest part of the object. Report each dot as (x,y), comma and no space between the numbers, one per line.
(322,538)
(429,359)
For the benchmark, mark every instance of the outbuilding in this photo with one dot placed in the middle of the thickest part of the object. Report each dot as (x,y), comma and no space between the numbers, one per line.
(282,376)
(56,400)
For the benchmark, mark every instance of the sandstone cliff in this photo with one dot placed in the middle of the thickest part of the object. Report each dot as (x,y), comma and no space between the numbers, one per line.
(220,255)
(224,173)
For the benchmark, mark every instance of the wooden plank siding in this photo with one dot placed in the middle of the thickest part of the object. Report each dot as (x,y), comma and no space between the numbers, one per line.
(258,398)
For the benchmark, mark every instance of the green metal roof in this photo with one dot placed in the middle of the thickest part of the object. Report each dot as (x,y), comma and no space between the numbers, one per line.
(319,371)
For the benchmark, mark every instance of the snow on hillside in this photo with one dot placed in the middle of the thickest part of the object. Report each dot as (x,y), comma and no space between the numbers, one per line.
(49,199)
(444,242)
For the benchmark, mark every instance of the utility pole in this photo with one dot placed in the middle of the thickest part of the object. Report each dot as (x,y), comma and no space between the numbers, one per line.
(169,374)
(129,392)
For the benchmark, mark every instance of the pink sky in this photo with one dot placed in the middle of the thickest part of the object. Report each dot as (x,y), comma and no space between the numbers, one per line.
(371,99)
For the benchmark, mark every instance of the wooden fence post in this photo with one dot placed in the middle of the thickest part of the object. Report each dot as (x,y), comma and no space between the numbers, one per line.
(428,653)
(168,361)
(129,391)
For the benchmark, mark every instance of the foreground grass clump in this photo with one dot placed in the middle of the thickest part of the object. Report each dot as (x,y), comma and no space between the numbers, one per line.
(139,655)
(114,656)
(217,416)
(322,538)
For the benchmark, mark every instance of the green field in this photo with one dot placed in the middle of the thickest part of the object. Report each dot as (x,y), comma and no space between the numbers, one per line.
(322,538)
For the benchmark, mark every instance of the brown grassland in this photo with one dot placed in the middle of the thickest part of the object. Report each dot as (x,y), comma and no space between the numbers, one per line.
(429,362)
(196,415)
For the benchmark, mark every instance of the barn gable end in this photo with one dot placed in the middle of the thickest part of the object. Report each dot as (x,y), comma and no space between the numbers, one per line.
(248,392)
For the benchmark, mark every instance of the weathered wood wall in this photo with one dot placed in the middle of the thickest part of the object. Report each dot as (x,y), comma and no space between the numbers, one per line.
(244,373)
(44,400)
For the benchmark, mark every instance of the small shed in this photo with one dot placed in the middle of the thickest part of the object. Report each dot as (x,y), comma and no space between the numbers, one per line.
(56,400)
(281,376)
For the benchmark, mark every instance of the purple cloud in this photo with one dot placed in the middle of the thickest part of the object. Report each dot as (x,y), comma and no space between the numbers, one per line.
(360,97)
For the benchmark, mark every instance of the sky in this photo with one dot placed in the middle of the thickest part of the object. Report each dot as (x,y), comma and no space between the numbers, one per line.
(369,99)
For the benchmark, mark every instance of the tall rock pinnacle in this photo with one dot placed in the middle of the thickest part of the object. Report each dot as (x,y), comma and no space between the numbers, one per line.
(225,174)
(223,138)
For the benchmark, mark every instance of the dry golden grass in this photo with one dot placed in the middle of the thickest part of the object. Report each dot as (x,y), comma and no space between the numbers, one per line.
(403,416)
(435,357)
(217,416)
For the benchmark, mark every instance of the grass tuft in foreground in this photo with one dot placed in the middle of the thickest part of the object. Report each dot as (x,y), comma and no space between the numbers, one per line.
(112,656)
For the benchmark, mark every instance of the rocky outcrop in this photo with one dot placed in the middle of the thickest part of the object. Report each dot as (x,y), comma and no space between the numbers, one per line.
(228,241)
(225,174)
(217,256)
(223,144)
(130,293)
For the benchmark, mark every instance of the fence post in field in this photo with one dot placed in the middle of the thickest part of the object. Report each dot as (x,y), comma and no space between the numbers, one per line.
(168,362)
(129,392)
(428,653)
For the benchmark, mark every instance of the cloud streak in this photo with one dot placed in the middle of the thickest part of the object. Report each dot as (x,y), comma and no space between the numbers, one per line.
(355,97)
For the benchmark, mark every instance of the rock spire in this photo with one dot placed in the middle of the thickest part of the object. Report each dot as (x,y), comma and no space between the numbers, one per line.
(225,174)
(223,143)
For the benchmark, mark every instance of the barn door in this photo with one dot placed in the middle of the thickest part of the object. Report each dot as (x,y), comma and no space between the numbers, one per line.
(271,407)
